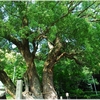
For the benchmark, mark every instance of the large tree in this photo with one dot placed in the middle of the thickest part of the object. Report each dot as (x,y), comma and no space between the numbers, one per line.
(49,31)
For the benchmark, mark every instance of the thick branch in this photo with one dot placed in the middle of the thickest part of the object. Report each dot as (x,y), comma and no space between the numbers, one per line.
(70,56)
(50,46)
(13,40)
(11,89)
(52,56)
(95,20)
(40,36)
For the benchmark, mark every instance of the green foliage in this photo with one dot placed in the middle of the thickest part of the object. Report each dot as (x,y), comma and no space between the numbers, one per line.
(10,60)
(52,33)
(14,60)
(74,80)
(39,65)
(76,26)
(1,59)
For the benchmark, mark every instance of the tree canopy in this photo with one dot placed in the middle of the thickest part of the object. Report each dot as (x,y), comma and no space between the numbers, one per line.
(48,37)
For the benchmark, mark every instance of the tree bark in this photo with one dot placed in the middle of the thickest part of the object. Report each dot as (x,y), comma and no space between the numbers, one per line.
(48,87)
(10,87)
(32,83)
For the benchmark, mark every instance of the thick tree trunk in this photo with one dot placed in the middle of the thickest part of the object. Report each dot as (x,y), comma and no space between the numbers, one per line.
(48,87)
(34,83)
(10,87)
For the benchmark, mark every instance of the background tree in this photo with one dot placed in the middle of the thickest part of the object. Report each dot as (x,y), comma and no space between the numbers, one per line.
(48,31)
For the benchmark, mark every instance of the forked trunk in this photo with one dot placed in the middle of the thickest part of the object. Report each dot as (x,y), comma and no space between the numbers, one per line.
(32,83)
(48,87)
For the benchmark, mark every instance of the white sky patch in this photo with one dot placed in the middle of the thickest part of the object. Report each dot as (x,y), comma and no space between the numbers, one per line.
(13,46)
(38,50)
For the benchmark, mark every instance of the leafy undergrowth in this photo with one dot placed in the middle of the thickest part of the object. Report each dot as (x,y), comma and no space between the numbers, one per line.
(87,95)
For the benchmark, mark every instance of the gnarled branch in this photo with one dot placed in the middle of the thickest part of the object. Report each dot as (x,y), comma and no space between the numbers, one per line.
(70,56)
